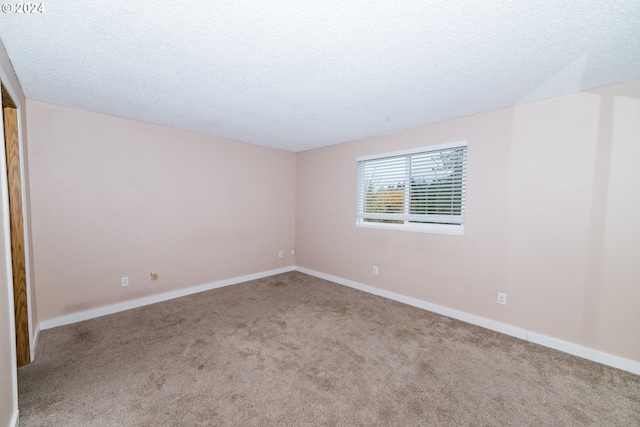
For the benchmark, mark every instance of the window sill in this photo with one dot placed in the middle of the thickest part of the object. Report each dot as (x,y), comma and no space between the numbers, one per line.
(453,230)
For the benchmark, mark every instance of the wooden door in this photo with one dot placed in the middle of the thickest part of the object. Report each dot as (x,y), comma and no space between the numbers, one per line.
(12,149)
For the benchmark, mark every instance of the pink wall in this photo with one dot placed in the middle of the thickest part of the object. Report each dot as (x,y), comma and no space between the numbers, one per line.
(551,219)
(114,197)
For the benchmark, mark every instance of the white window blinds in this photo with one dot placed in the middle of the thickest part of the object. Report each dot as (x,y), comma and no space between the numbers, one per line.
(425,186)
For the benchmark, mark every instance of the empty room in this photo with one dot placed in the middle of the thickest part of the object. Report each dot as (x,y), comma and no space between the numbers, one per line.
(277,213)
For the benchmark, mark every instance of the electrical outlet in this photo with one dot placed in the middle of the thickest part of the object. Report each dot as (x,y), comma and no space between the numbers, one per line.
(502,298)
(280,254)
(293,252)
(154,277)
(375,270)
(124,282)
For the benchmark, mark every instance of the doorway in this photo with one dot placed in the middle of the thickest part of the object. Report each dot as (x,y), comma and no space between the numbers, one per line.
(18,260)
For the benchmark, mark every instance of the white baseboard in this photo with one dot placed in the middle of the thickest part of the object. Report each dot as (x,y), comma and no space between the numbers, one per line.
(547,341)
(152,299)
(34,341)
(585,352)
(14,421)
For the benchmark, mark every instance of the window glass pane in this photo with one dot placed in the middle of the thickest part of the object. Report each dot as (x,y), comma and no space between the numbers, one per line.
(436,183)
(384,185)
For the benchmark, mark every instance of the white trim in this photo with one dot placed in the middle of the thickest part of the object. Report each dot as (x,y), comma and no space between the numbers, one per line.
(547,341)
(423,149)
(6,232)
(7,82)
(25,226)
(15,420)
(514,331)
(585,352)
(452,230)
(25,229)
(36,335)
(152,299)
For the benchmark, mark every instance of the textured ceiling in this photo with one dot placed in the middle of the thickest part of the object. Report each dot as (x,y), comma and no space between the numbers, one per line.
(296,74)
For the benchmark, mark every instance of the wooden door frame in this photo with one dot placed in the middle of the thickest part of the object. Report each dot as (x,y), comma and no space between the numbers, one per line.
(33,331)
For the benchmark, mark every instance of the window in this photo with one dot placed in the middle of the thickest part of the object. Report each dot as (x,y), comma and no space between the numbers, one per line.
(414,190)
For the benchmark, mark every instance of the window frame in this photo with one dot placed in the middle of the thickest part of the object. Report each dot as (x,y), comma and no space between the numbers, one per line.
(434,228)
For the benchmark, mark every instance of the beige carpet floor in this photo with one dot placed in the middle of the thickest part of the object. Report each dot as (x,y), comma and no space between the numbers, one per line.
(294,350)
